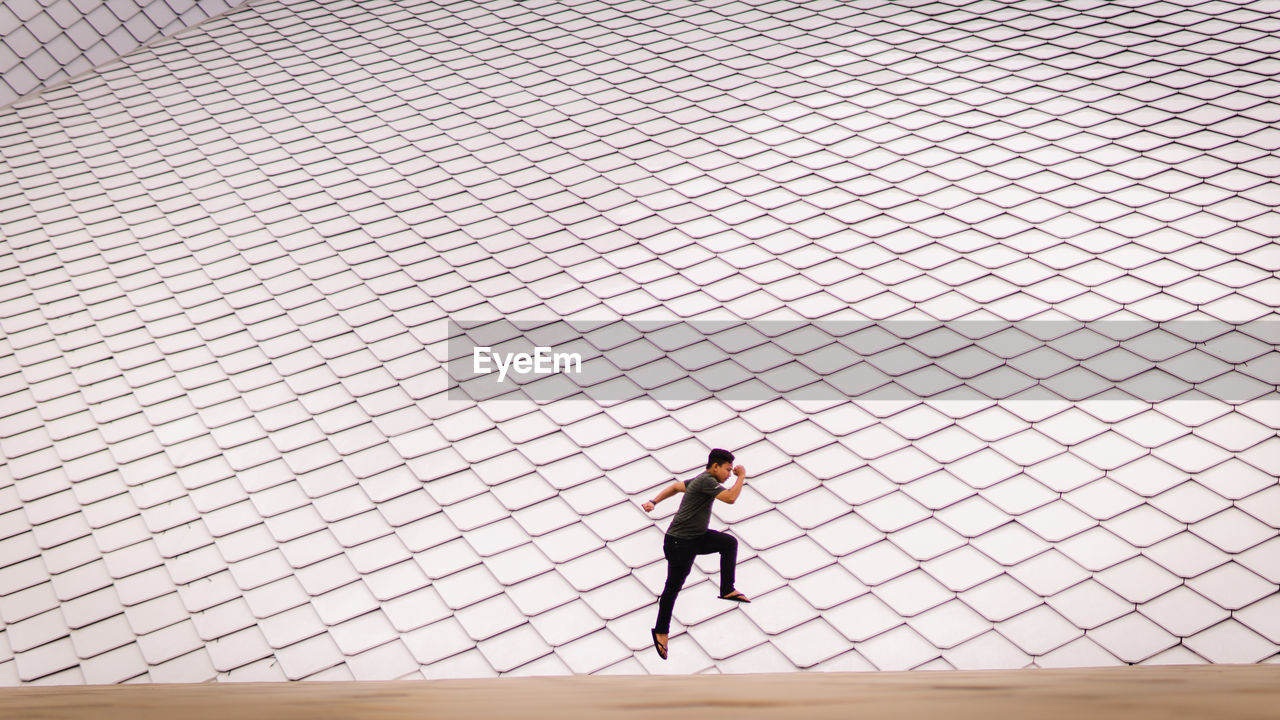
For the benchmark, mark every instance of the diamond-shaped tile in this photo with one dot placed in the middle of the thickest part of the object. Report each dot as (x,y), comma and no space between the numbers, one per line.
(988,651)
(1000,598)
(1189,502)
(814,508)
(1108,450)
(1137,580)
(983,469)
(1082,652)
(1231,586)
(1097,549)
(1261,617)
(927,539)
(962,568)
(1039,630)
(1262,560)
(1231,642)
(828,587)
(912,593)
(1143,526)
(1235,480)
(811,643)
(972,517)
(899,649)
(1132,638)
(1232,530)
(845,534)
(1186,555)
(727,635)
(878,563)
(1176,655)
(892,512)
(862,618)
(949,624)
(1183,612)
(1057,520)
(1010,544)
(1191,454)
(1048,573)
(1148,476)
(1065,472)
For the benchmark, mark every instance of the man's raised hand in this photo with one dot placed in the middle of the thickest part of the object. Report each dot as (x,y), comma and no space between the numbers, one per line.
(740,471)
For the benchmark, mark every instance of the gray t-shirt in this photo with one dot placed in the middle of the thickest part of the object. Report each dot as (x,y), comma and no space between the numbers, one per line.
(694,515)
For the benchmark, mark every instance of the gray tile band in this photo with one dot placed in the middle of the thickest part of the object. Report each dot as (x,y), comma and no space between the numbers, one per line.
(887,360)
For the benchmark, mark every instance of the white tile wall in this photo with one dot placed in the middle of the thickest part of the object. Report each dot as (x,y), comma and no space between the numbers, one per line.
(226,446)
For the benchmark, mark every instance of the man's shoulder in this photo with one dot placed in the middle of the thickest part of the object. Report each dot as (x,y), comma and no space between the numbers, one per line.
(704,480)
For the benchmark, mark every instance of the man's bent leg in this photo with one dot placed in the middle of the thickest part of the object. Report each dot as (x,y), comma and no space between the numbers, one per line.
(727,546)
(679,556)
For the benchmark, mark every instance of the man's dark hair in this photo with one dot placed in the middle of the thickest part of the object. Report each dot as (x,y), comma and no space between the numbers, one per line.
(719,456)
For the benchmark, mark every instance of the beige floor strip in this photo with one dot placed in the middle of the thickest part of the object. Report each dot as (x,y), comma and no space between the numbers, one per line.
(1219,691)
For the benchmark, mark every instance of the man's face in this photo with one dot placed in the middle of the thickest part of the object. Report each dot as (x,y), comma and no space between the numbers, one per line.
(722,471)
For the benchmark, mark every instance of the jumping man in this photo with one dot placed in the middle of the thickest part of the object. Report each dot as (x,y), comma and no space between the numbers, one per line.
(688,536)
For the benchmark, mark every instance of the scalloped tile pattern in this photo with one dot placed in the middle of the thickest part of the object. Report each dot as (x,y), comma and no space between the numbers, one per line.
(45,42)
(227,261)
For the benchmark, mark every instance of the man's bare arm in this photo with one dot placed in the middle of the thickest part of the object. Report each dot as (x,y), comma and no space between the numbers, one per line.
(668,491)
(731,495)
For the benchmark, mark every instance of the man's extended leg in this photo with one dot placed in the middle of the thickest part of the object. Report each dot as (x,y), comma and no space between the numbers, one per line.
(727,546)
(679,556)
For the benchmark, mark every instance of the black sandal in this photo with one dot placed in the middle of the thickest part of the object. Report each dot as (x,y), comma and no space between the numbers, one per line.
(735,596)
(662,649)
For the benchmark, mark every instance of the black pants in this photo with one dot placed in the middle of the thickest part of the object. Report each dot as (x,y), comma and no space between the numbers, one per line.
(680,553)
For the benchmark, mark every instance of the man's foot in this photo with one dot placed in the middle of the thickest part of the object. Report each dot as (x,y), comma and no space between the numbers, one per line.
(659,643)
(736,597)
